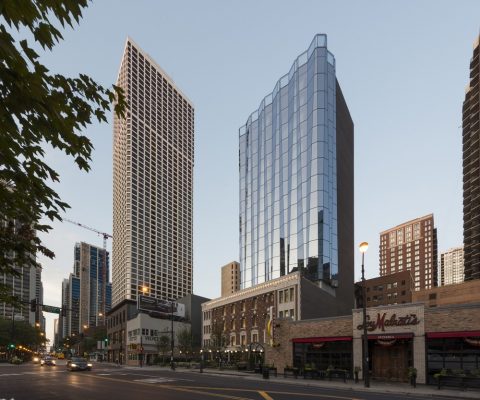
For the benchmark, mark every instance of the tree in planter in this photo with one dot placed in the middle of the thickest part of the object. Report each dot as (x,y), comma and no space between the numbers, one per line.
(39,111)
(412,376)
(218,338)
(356,371)
(163,345)
(184,340)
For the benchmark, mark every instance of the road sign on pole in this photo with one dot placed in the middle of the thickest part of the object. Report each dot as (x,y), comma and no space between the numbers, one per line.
(51,309)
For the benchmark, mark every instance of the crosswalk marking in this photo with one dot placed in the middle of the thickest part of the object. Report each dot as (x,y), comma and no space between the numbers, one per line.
(155,380)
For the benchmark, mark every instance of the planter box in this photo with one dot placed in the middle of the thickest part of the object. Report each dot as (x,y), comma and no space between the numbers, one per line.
(290,371)
(463,382)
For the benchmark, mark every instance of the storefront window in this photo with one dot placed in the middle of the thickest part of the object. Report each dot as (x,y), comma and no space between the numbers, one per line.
(453,354)
(324,354)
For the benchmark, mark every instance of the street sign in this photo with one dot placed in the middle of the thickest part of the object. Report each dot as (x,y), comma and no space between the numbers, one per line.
(51,309)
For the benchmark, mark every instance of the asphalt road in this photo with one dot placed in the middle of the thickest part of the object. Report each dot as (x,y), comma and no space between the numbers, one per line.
(29,381)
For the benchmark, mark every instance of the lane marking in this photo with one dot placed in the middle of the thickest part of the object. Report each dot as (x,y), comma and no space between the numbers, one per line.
(176,388)
(264,395)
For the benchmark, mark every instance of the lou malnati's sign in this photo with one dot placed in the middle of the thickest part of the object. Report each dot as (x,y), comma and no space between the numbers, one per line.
(381,321)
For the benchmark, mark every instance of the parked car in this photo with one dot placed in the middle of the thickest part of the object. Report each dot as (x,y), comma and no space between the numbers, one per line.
(48,361)
(79,364)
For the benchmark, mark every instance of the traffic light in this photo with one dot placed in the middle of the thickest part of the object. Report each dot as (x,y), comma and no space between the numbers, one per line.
(11,346)
(33,305)
(106,341)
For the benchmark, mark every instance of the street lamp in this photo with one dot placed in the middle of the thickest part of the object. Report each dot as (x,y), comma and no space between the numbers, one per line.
(366,378)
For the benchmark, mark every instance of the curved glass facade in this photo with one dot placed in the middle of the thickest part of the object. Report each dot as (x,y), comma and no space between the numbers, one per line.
(288,175)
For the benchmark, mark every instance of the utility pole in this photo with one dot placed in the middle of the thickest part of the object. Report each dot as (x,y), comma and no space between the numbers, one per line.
(172,365)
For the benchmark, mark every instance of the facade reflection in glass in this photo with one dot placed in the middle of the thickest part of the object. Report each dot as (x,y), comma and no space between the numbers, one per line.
(288,175)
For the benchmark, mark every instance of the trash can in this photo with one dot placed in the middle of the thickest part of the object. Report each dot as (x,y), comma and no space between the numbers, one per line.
(266,373)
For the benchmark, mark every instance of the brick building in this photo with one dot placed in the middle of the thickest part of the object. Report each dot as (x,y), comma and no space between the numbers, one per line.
(241,319)
(400,336)
(411,246)
(385,290)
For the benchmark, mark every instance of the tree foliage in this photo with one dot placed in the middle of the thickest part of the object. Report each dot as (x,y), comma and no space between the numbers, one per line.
(39,111)
(219,339)
(163,345)
(19,333)
(185,340)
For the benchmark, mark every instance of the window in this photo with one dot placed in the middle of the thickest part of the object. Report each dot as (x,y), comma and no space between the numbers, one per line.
(280,296)
(280,314)
(432,296)
(292,314)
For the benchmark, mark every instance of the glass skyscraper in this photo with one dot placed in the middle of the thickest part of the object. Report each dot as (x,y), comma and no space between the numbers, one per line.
(293,151)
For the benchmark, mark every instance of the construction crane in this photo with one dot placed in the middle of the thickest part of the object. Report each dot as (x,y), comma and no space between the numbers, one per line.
(103,234)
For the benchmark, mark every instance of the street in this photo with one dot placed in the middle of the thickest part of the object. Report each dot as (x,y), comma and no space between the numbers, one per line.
(29,381)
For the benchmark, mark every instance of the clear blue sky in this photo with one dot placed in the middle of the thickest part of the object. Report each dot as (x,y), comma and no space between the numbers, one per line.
(403,66)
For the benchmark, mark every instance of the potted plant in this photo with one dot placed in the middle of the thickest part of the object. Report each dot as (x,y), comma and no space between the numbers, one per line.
(356,370)
(412,375)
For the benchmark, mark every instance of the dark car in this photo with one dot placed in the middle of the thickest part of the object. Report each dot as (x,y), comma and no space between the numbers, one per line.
(48,361)
(78,364)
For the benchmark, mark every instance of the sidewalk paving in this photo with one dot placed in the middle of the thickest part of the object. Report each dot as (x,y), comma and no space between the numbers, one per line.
(375,387)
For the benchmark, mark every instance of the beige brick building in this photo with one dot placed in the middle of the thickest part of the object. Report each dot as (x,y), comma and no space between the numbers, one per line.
(230,278)
(460,293)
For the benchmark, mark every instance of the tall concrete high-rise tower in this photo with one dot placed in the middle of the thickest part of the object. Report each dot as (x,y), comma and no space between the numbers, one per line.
(296,180)
(153,158)
(451,266)
(91,266)
(471,169)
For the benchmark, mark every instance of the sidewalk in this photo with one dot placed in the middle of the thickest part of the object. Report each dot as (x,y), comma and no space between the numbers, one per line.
(375,387)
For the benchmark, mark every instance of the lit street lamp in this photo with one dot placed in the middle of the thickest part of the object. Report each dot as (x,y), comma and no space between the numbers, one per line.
(366,378)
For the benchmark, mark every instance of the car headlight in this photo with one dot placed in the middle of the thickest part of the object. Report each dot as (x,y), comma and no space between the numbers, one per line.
(53,362)
(35,359)
(73,365)
(89,365)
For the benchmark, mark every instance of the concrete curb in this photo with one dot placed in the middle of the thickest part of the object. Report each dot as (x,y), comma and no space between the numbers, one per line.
(421,390)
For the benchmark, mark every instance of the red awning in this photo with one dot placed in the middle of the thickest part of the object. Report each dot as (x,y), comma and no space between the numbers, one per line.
(322,339)
(388,336)
(461,334)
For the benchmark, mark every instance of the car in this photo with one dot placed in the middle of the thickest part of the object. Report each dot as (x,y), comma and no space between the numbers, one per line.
(36,359)
(48,361)
(79,364)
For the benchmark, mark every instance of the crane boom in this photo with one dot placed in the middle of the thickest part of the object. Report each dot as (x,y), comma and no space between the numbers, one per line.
(104,234)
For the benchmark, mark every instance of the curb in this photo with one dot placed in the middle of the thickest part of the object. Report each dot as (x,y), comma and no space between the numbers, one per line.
(429,393)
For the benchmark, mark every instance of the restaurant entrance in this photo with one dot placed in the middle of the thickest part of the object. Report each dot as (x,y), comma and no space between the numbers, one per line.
(391,358)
